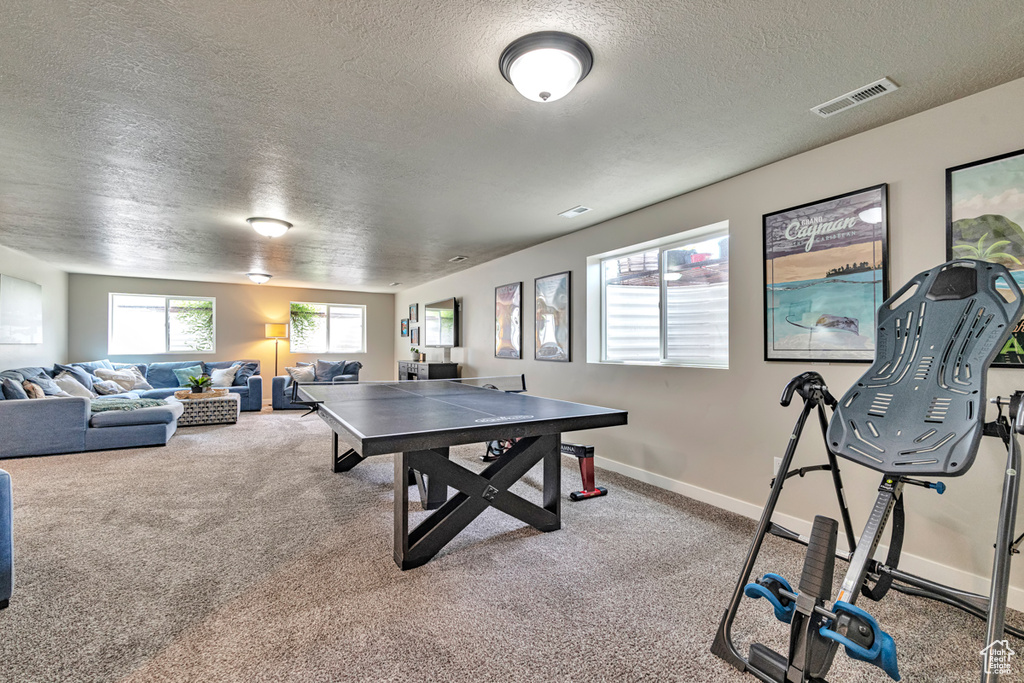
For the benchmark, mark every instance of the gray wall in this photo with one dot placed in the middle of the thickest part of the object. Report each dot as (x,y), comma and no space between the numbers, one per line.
(242,311)
(54,282)
(713,433)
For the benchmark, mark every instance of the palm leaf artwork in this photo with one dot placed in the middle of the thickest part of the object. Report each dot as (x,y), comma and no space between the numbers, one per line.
(983,253)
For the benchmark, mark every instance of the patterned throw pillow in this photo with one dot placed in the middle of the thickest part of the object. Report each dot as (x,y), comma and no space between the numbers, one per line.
(83,377)
(67,382)
(32,389)
(106,387)
(122,377)
(224,377)
(304,373)
(12,389)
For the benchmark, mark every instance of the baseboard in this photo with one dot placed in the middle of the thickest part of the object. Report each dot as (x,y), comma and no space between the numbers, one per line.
(914,564)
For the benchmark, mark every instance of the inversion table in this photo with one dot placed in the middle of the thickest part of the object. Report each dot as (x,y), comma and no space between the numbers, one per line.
(917,412)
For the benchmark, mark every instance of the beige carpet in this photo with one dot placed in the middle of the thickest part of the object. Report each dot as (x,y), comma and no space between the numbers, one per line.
(235,554)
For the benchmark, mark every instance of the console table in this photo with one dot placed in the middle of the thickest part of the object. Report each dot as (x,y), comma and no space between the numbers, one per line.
(408,369)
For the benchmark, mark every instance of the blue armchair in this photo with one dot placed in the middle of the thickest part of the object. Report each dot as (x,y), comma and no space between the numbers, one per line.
(6,546)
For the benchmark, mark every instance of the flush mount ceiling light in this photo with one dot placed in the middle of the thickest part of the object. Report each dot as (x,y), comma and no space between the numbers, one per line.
(259,278)
(545,66)
(269,227)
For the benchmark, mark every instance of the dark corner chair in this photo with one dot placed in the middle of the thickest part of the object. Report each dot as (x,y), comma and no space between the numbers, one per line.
(6,546)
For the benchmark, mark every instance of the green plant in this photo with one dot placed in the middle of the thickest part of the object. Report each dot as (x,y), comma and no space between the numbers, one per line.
(990,253)
(197,317)
(304,319)
(199,382)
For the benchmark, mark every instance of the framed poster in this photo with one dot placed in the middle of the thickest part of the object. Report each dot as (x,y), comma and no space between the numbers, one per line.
(826,271)
(414,336)
(552,330)
(508,332)
(414,313)
(405,327)
(985,220)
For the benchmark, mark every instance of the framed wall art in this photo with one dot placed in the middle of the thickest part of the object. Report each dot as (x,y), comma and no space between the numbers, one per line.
(405,327)
(508,331)
(552,330)
(985,220)
(414,313)
(414,336)
(21,311)
(826,271)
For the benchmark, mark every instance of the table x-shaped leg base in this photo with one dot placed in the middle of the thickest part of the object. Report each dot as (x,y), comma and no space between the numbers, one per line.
(477,492)
(343,462)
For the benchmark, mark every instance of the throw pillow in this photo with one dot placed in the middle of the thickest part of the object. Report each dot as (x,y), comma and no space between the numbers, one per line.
(327,369)
(106,387)
(304,373)
(83,377)
(122,377)
(224,377)
(140,378)
(12,389)
(245,371)
(32,389)
(67,383)
(45,383)
(184,373)
(92,366)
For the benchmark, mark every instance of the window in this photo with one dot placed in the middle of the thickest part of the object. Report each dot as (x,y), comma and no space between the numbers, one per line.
(328,328)
(144,323)
(666,301)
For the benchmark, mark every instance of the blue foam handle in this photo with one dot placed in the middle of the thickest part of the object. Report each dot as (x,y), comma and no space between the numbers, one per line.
(783,613)
(882,652)
(939,487)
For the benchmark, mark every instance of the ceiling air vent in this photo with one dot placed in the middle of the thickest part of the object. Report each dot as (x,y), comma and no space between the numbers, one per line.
(574,211)
(852,99)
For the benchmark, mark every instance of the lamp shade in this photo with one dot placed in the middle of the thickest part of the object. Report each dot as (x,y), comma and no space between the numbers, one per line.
(277,330)
(545,66)
(269,227)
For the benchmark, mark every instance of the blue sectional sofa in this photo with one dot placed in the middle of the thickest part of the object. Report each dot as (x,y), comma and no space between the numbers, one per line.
(281,387)
(6,540)
(68,425)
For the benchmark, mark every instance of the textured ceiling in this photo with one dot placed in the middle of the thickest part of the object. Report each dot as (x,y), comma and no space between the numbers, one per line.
(137,136)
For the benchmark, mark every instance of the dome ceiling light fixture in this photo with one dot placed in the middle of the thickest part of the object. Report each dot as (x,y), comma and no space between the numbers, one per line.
(269,227)
(259,278)
(546,66)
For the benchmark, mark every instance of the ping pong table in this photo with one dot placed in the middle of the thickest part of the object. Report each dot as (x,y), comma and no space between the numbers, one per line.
(420,420)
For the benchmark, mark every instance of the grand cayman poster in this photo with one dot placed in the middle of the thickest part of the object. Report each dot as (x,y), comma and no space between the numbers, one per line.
(826,272)
(985,220)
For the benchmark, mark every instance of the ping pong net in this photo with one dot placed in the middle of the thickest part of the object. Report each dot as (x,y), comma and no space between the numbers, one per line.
(311,393)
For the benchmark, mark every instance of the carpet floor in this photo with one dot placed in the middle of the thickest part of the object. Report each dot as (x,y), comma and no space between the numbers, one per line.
(235,554)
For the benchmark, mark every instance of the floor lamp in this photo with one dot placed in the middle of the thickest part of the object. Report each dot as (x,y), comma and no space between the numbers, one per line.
(277,332)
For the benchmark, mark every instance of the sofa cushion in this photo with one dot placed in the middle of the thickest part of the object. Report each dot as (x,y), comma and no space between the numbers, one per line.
(247,369)
(13,390)
(129,375)
(92,366)
(304,373)
(67,383)
(107,387)
(45,383)
(224,377)
(152,415)
(183,374)
(142,367)
(83,376)
(327,369)
(161,375)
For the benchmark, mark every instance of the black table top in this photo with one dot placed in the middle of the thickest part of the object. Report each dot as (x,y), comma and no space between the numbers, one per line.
(389,417)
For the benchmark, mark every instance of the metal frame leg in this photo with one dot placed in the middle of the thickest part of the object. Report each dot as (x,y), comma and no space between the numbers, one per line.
(1004,540)
(345,461)
(416,546)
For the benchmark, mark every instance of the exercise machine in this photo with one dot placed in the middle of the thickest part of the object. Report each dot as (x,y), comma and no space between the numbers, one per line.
(915,416)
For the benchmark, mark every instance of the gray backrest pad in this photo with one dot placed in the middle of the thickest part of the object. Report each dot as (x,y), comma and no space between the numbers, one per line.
(918,410)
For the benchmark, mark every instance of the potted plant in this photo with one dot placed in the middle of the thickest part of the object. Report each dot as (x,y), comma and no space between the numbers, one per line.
(200,383)
(415,354)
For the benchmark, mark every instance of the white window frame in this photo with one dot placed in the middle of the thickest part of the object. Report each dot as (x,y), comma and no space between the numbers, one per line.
(329,305)
(167,323)
(596,304)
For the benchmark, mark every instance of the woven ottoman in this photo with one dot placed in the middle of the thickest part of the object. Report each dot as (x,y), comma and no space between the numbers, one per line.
(210,410)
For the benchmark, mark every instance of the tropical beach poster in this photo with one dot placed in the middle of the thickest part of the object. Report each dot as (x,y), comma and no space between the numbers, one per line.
(826,273)
(984,219)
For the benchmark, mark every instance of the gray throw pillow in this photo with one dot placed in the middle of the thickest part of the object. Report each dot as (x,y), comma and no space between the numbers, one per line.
(327,369)
(45,383)
(304,373)
(84,377)
(244,372)
(67,382)
(13,390)
(184,373)
(106,387)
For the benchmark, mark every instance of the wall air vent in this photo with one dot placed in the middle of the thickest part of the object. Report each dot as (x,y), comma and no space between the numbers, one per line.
(457,259)
(852,99)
